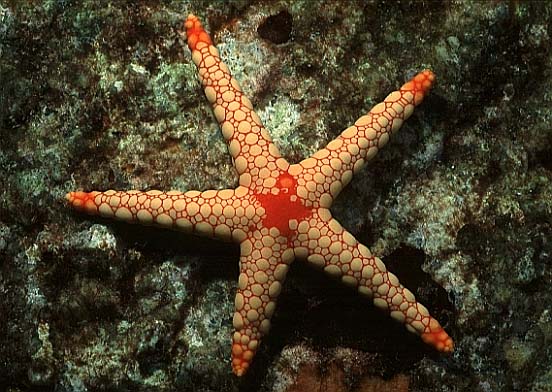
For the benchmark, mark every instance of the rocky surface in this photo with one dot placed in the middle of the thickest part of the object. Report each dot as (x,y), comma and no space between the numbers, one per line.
(459,204)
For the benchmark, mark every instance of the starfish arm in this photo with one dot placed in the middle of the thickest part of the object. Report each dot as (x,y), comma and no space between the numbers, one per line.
(211,213)
(360,142)
(263,267)
(248,141)
(340,255)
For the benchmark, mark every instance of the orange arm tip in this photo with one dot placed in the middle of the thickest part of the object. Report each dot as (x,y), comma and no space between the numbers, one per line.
(420,85)
(440,340)
(82,201)
(195,32)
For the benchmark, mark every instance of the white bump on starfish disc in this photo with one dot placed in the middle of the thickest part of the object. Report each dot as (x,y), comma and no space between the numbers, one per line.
(228,211)
(237,321)
(183,224)
(242,281)
(255,302)
(408,295)
(220,113)
(418,325)
(245,180)
(269,309)
(382,141)
(397,315)
(265,326)
(383,289)
(365,291)
(335,188)
(287,256)
(316,260)
(423,310)
(380,303)
(370,135)
(377,279)
(346,256)
(239,301)
(324,241)
(192,208)
(334,144)
(234,148)
(164,220)
(349,132)
(260,277)
(227,130)
(353,149)
(393,279)
(280,272)
(155,203)
(321,154)
(274,289)
(356,265)
(114,201)
(397,122)
(380,107)
(397,299)
(379,264)
(105,210)
(382,121)
(281,163)
(257,289)
(252,315)
(204,228)
(332,270)
(223,232)
(211,94)
(358,165)
(205,210)
(364,120)
(263,264)
(246,247)
(244,127)
(144,216)
(123,213)
(394,96)
(411,312)
(349,281)
(335,226)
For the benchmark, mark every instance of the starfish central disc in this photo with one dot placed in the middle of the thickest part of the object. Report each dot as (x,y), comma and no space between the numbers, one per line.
(283,205)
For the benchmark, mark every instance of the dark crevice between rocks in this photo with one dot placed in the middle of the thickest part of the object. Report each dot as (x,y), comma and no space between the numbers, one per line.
(406,262)
(277,28)
(542,158)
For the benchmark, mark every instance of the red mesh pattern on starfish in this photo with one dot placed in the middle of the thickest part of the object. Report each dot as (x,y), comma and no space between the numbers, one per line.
(279,212)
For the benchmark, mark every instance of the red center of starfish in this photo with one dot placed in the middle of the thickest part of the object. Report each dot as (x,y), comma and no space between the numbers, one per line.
(283,206)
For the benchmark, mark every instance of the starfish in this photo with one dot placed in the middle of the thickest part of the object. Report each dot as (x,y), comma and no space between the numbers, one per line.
(280,211)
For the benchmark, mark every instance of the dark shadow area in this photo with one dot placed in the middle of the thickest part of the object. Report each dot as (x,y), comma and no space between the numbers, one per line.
(321,312)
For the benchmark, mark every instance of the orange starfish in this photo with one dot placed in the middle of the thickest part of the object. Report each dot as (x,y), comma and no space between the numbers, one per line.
(279,212)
